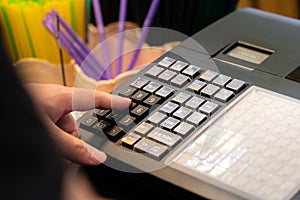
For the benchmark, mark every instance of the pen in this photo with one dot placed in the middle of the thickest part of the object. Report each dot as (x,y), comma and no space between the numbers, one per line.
(87,62)
(121,28)
(102,38)
(145,30)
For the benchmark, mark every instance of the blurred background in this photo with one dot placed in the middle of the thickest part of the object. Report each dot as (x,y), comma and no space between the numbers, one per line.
(27,38)
(288,8)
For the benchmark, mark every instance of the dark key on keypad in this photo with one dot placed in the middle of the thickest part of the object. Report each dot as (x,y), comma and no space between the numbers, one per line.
(127,122)
(102,126)
(140,96)
(152,100)
(101,112)
(115,115)
(139,111)
(115,133)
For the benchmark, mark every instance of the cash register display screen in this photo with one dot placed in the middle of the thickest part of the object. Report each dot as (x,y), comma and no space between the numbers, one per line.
(248,54)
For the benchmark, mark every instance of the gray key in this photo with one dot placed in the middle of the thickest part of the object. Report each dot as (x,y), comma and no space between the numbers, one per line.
(169,108)
(154,71)
(178,66)
(208,108)
(196,118)
(208,75)
(152,87)
(139,82)
(157,118)
(129,140)
(221,80)
(194,103)
(144,128)
(164,137)
(182,113)
(184,129)
(181,98)
(164,92)
(224,95)
(192,71)
(166,62)
(196,86)
(151,148)
(167,75)
(170,123)
(210,90)
(236,85)
(180,80)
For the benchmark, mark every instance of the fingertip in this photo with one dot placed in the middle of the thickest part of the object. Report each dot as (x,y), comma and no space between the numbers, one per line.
(97,156)
(119,102)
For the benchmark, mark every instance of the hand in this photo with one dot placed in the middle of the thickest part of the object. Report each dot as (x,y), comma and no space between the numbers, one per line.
(55,102)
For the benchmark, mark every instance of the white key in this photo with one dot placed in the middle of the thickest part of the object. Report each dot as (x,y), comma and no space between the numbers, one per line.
(240,181)
(271,152)
(227,176)
(263,176)
(276,105)
(217,171)
(268,126)
(250,172)
(252,186)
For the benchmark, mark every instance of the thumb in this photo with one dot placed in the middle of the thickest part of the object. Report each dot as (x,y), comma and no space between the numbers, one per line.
(74,149)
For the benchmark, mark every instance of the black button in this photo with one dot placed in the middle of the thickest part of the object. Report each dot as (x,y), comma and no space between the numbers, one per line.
(115,133)
(140,96)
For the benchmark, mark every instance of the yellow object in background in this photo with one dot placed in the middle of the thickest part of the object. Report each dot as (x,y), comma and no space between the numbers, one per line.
(24,33)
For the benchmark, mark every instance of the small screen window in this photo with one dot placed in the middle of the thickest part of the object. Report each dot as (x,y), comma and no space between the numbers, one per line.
(248,53)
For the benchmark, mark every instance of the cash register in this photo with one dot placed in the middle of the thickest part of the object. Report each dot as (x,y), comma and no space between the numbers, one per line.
(217,116)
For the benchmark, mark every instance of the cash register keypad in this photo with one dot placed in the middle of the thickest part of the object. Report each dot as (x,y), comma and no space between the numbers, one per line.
(169,101)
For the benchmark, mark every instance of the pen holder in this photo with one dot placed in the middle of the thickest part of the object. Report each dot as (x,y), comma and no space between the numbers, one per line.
(43,71)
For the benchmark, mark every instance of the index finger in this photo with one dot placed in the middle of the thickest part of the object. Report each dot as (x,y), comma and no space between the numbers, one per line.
(85,99)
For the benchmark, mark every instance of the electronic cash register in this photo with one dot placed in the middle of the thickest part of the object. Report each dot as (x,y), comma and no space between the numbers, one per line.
(218,115)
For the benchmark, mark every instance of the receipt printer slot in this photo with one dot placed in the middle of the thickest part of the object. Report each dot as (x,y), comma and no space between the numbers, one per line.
(244,54)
